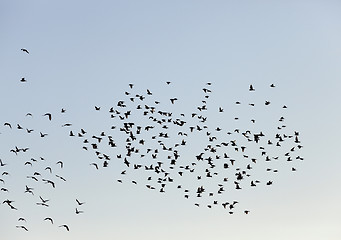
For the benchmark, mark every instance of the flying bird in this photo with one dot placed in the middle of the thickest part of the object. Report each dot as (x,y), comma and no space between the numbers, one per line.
(65,226)
(48,219)
(79,203)
(25,50)
(22,227)
(49,115)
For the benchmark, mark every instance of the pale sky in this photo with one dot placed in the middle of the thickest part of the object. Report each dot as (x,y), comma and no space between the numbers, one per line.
(84,54)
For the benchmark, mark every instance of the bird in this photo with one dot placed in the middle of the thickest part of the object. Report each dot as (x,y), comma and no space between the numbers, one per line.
(60,163)
(251,88)
(94,164)
(79,203)
(25,50)
(78,211)
(22,227)
(50,182)
(48,219)
(2,164)
(65,226)
(43,134)
(49,115)
(23,80)
(173,100)
(44,200)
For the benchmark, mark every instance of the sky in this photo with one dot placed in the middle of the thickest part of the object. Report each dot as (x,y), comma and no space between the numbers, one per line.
(84,54)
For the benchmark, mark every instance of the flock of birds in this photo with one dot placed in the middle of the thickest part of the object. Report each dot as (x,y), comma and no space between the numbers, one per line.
(145,139)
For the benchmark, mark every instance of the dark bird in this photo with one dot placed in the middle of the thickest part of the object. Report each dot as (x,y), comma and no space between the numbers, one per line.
(48,219)
(23,80)
(78,211)
(61,164)
(2,164)
(79,203)
(60,177)
(95,164)
(65,226)
(25,50)
(42,204)
(49,115)
(43,134)
(50,182)
(29,130)
(173,100)
(22,227)
(272,85)
(43,200)
(251,88)
(49,168)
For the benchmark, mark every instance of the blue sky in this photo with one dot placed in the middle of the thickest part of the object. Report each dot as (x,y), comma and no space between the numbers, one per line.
(85,53)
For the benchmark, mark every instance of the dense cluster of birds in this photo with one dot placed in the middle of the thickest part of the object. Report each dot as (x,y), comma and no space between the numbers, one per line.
(145,139)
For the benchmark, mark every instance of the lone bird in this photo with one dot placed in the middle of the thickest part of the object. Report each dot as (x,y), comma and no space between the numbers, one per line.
(25,50)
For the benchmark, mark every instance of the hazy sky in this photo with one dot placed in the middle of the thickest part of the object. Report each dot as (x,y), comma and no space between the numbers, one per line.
(85,53)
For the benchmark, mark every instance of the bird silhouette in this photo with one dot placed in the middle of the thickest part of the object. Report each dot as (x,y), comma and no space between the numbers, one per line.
(25,50)
(79,203)
(22,227)
(49,219)
(49,115)
(65,226)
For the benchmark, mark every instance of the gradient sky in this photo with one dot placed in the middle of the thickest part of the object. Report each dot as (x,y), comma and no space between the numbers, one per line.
(85,53)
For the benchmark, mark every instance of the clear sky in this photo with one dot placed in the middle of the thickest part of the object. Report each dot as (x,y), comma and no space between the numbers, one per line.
(84,54)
